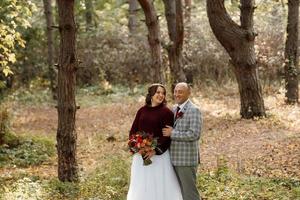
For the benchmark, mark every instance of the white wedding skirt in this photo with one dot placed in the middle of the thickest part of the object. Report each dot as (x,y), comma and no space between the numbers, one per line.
(156,181)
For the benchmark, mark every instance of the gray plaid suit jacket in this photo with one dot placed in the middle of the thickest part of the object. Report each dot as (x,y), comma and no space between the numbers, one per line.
(185,137)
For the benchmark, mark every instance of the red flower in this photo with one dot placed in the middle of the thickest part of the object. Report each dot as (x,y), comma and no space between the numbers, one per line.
(141,143)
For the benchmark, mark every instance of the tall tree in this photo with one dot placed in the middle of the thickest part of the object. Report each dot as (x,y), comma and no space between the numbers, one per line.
(49,31)
(238,40)
(291,53)
(174,16)
(68,63)
(132,19)
(88,14)
(153,39)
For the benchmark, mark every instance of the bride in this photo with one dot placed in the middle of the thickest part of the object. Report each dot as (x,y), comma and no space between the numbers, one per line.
(158,180)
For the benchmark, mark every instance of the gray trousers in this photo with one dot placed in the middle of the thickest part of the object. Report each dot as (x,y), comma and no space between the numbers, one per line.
(187,180)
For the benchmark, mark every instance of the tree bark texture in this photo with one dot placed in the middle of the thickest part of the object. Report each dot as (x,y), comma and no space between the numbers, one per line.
(50,44)
(238,40)
(66,134)
(174,16)
(291,53)
(153,39)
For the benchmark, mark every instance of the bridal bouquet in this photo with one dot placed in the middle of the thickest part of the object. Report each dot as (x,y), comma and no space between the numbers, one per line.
(142,143)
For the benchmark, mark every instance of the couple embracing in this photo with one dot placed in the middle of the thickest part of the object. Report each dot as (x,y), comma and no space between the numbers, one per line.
(172,174)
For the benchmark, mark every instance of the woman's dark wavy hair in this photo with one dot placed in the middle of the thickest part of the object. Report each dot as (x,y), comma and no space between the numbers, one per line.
(151,92)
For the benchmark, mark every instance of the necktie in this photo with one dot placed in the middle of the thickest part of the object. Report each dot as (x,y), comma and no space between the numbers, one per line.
(177,110)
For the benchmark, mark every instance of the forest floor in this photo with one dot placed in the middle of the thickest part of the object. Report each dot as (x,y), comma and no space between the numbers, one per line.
(268,147)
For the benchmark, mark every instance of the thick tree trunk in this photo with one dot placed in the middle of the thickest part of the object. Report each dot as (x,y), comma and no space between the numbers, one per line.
(173,12)
(88,14)
(153,39)
(49,31)
(66,134)
(252,104)
(132,19)
(291,53)
(239,43)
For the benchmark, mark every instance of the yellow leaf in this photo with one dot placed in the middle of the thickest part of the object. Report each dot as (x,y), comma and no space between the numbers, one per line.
(7,71)
(12,57)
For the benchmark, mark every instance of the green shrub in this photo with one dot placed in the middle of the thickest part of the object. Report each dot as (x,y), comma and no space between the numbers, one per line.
(224,184)
(7,138)
(10,140)
(61,190)
(101,95)
(30,151)
(109,182)
(31,96)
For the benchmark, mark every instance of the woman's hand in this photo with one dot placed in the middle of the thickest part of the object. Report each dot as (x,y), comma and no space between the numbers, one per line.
(149,154)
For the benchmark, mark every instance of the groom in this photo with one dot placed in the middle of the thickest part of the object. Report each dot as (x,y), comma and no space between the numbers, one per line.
(185,137)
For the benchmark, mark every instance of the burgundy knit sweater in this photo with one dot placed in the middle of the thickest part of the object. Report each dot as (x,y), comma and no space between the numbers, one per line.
(152,120)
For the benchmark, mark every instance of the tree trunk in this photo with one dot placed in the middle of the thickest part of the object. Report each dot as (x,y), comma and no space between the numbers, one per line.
(173,12)
(153,39)
(239,43)
(4,125)
(187,18)
(88,14)
(49,31)
(132,19)
(291,53)
(66,134)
